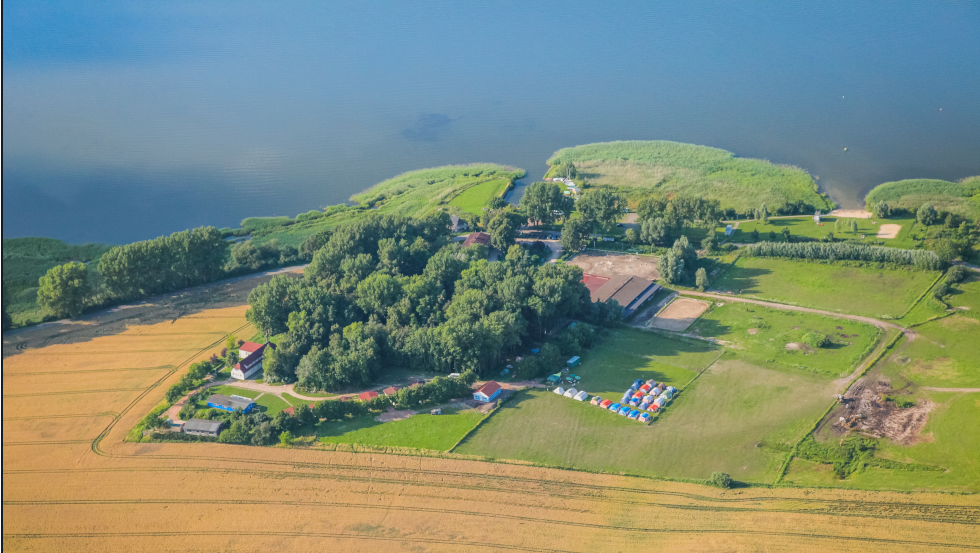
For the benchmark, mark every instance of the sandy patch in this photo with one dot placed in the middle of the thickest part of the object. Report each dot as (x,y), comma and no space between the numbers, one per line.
(617,264)
(888,231)
(393,415)
(679,315)
(753,331)
(851,213)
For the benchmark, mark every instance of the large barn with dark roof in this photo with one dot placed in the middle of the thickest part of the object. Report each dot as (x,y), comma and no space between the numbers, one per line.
(629,291)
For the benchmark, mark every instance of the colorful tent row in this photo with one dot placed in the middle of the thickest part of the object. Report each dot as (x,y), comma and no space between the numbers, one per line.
(648,396)
(623,410)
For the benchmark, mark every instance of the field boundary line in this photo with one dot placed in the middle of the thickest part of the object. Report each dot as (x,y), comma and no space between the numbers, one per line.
(922,296)
(479,545)
(480,422)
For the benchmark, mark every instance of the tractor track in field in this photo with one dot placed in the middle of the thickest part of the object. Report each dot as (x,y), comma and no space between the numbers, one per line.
(89,371)
(476,545)
(954,514)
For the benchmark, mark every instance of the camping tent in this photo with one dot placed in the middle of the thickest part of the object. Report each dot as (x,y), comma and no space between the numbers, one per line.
(605,403)
(570,392)
(644,417)
(596,400)
(555,378)
(559,390)
(581,396)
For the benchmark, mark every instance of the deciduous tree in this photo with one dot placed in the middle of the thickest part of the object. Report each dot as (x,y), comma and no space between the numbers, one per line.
(64,289)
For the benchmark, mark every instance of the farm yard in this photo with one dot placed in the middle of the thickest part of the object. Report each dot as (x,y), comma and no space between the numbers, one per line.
(72,482)
(679,314)
(880,293)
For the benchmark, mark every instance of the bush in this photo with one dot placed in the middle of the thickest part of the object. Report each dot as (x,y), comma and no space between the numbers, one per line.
(956,273)
(815,339)
(721,480)
(901,402)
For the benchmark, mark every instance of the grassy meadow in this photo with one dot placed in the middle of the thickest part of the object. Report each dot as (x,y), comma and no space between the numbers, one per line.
(475,198)
(761,336)
(673,167)
(962,198)
(435,432)
(804,227)
(879,293)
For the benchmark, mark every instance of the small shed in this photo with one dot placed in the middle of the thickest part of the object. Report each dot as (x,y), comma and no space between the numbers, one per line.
(581,396)
(729,230)
(487,392)
(573,362)
(816,216)
(201,427)
(559,390)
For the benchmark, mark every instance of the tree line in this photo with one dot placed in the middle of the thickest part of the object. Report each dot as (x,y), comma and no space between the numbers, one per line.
(393,291)
(921,259)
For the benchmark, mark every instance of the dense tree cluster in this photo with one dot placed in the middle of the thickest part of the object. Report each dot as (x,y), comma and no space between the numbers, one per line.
(7,321)
(392,291)
(164,264)
(545,203)
(659,218)
(679,264)
(64,289)
(845,251)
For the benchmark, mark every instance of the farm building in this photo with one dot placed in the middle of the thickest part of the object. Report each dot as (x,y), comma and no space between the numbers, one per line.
(251,355)
(573,362)
(474,238)
(201,427)
(458,225)
(391,390)
(292,410)
(367,396)
(629,291)
(231,403)
(488,392)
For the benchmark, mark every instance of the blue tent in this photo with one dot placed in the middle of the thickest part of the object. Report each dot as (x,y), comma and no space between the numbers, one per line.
(615,407)
(625,410)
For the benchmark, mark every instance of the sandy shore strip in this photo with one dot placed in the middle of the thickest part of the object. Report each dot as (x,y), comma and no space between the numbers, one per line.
(851,213)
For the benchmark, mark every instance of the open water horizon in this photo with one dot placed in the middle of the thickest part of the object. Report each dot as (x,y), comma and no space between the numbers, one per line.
(124,121)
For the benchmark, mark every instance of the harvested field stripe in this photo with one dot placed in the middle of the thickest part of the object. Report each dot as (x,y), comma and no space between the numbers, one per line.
(74,392)
(116,352)
(950,514)
(161,367)
(81,416)
(480,545)
(54,442)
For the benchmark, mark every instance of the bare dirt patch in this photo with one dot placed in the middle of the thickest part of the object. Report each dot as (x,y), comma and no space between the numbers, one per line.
(393,415)
(753,331)
(614,264)
(851,213)
(888,231)
(866,411)
(679,314)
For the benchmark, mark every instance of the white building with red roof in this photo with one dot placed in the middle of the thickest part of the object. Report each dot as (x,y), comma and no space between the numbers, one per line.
(251,360)
(488,392)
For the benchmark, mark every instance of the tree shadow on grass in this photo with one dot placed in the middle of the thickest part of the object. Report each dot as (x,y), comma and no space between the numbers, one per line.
(743,280)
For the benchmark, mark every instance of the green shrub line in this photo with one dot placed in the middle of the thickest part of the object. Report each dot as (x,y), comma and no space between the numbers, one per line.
(795,448)
(933,318)
(923,295)
(500,404)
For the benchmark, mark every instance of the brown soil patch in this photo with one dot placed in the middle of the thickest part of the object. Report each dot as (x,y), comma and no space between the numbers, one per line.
(888,231)
(679,314)
(753,331)
(866,411)
(614,264)
(393,415)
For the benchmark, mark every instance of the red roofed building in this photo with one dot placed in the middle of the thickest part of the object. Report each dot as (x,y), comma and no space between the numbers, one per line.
(391,390)
(251,360)
(487,392)
(481,238)
(367,396)
(292,411)
(593,282)
(248,348)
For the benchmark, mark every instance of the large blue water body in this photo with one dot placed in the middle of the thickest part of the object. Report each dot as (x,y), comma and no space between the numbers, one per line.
(127,120)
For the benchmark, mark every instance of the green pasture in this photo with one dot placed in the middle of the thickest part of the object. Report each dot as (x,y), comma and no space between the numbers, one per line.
(714,424)
(477,197)
(229,390)
(943,355)
(673,167)
(270,404)
(804,227)
(879,293)
(760,336)
(435,432)
(962,198)
(950,442)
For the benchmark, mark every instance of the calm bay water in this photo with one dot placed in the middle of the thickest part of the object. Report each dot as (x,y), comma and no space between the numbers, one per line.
(127,120)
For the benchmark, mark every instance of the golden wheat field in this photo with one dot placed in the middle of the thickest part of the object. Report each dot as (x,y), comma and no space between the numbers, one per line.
(71,393)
